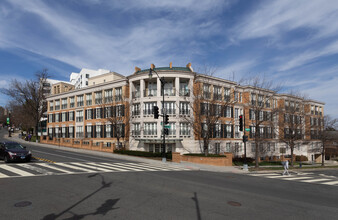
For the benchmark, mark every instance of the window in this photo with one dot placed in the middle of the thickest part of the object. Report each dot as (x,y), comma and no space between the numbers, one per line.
(206,91)
(108,112)
(228,112)
(79,116)
(89,114)
(228,147)
(71,116)
(79,131)
(227,94)
(98,97)
(51,106)
(236,113)
(50,118)
(228,131)
(169,108)
(118,94)
(57,117)
(172,129)
(87,76)
(150,128)
(261,100)
(136,109)
(63,132)
(217,93)
(267,102)
(136,129)
(149,108)
(64,103)
(79,99)
(253,98)
(72,102)
(217,148)
(98,113)
(119,110)
(238,96)
(64,116)
(89,99)
(71,132)
(98,131)
(108,130)
(218,130)
(57,104)
(89,131)
(253,147)
(184,129)
(108,96)
(237,131)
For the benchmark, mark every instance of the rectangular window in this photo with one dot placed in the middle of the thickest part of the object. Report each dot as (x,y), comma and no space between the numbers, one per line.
(98,131)
(89,114)
(79,116)
(57,104)
(118,94)
(79,131)
(108,96)
(136,109)
(261,100)
(228,147)
(89,99)
(227,94)
(217,93)
(217,148)
(267,102)
(79,102)
(253,147)
(218,130)
(98,98)
(98,112)
(253,98)
(150,128)
(169,108)
(148,108)
(184,129)
(64,103)
(71,116)
(136,129)
(229,131)
(89,131)
(71,132)
(63,116)
(108,112)
(57,117)
(72,102)
(108,131)
(237,132)
(172,129)
(236,113)
(51,106)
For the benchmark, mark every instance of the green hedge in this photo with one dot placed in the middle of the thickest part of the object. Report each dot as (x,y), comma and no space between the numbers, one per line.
(142,153)
(203,155)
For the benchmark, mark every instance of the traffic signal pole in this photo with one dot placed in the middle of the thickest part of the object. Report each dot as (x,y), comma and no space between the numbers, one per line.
(164,158)
(245,165)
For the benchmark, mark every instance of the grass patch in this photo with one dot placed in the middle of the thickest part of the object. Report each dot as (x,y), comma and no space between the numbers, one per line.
(203,155)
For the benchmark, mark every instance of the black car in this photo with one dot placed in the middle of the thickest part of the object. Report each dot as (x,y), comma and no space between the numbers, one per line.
(12,151)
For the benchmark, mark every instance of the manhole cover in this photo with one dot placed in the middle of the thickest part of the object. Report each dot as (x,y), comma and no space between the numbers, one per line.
(232,203)
(22,204)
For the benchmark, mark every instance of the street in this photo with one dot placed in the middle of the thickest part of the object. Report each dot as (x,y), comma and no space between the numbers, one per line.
(73,185)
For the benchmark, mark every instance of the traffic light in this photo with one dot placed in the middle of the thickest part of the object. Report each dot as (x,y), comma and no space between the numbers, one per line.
(8,121)
(241,122)
(245,138)
(155,112)
(166,119)
(166,131)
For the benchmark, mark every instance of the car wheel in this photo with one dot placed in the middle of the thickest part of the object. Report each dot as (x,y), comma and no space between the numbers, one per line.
(7,160)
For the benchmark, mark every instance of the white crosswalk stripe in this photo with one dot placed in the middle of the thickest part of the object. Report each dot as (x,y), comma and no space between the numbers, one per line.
(43,169)
(300,177)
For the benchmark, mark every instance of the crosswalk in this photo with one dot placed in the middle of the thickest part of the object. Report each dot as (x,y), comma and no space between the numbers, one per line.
(43,169)
(301,177)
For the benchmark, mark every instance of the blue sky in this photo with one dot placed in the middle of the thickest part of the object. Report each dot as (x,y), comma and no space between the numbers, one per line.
(291,42)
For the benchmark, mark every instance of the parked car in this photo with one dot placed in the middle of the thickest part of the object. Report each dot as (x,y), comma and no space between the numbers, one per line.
(13,151)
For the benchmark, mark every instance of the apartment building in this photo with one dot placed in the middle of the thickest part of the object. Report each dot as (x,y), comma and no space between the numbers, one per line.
(203,110)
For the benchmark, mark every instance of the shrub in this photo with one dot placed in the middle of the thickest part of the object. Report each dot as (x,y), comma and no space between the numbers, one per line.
(142,153)
(301,158)
(203,155)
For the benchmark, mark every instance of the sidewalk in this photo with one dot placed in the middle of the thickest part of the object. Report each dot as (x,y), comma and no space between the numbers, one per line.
(186,165)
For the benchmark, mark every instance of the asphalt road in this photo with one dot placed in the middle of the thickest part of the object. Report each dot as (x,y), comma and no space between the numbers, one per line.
(158,194)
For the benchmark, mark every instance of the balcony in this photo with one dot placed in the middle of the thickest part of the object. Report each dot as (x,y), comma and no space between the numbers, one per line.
(169,92)
(150,92)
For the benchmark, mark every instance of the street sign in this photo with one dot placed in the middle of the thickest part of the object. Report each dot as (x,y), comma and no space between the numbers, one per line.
(247,129)
(166,126)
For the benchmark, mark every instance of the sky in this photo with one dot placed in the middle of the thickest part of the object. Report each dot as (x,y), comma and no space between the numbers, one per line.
(294,43)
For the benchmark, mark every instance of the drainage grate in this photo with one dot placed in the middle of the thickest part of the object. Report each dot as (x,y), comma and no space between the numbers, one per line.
(23,204)
(232,203)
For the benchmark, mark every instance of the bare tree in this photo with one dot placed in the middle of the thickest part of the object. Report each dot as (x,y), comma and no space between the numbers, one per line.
(19,117)
(324,126)
(291,121)
(209,108)
(29,94)
(260,98)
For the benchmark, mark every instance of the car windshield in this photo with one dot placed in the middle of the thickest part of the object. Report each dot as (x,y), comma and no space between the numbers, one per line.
(14,146)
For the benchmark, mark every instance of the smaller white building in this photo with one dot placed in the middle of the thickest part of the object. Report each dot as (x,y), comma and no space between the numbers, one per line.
(80,80)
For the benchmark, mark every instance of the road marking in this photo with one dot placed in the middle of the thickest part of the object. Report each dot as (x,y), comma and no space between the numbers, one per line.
(60,155)
(74,167)
(37,169)
(92,167)
(109,167)
(42,159)
(331,183)
(119,166)
(265,174)
(314,180)
(298,178)
(16,171)
(3,175)
(53,167)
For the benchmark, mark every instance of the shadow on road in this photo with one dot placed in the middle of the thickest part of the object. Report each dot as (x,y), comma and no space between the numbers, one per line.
(101,210)
(197,206)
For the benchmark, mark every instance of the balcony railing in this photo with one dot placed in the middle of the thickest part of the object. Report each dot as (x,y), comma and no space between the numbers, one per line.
(150,92)
(184,112)
(169,92)
(170,111)
(136,133)
(134,113)
(148,111)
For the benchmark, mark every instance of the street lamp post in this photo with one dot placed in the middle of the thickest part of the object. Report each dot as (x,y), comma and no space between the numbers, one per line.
(151,70)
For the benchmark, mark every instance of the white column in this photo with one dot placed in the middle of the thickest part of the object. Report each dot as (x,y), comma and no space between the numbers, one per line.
(159,87)
(142,88)
(177,86)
